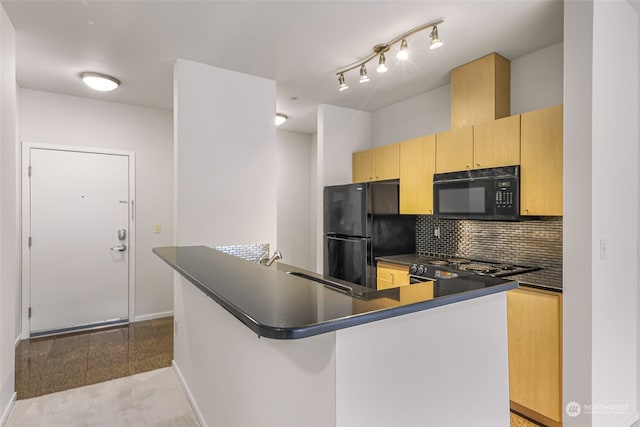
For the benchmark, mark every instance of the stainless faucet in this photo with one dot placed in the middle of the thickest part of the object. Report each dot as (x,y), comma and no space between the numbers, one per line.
(276,256)
(263,258)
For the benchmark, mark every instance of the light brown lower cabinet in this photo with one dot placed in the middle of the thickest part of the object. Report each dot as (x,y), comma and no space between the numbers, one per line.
(534,320)
(391,275)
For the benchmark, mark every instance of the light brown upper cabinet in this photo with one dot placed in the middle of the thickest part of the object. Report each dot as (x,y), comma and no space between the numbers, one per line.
(376,164)
(454,150)
(417,166)
(480,91)
(363,166)
(496,143)
(541,162)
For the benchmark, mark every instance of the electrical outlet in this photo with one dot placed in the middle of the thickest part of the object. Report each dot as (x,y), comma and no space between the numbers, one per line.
(156,228)
(436,232)
(175,326)
(603,249)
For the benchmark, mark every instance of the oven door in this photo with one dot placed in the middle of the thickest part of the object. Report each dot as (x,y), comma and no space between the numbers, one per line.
(464,198)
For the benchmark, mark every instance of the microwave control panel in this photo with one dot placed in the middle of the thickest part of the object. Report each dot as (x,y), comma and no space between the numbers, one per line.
(506,195)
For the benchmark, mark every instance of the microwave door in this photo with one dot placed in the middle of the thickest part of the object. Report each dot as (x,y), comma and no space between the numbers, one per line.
(463,199)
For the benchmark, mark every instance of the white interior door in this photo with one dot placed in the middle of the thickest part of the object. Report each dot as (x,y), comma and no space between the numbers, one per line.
(79,264)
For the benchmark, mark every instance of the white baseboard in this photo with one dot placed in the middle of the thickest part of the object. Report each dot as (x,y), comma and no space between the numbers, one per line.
(196,410)
(18,339)
(7,410)
(152,316)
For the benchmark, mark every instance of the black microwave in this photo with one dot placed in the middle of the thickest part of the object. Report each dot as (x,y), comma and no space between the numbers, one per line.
(486,194)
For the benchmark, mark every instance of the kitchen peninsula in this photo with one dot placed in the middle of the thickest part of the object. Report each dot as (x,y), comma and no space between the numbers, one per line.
(334,353)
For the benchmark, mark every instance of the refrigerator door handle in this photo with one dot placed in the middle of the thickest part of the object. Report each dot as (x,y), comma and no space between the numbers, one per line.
(346,239)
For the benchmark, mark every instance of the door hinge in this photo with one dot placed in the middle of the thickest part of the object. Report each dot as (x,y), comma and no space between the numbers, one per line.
(29,171)
(29,312)
(30,241)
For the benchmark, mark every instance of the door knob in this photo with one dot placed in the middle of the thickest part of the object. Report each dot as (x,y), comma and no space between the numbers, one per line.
(119,248)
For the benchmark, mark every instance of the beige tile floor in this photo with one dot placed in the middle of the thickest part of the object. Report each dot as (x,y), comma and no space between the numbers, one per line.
(50,364)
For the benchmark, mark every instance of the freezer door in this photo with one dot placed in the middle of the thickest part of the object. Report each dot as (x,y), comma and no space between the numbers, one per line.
(346,259)
(345,210)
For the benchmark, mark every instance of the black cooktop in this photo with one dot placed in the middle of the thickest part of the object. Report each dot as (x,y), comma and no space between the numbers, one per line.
(443,266)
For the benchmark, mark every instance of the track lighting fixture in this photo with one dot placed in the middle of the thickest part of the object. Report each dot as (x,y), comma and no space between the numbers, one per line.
(382,66)
(380,49)
(435,40)
(403,53)
(363,74)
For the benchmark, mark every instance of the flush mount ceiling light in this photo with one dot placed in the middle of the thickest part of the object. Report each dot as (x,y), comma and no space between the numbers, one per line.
(281,118)
(380,49)
(100,82)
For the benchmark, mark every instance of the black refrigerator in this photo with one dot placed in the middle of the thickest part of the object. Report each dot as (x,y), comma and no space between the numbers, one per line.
(362,222)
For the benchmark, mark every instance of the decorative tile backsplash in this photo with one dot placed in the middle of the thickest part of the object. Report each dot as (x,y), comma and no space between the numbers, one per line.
(248,252)
(536,242)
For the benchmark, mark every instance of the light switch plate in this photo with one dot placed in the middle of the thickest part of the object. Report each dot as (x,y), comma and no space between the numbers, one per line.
(156,228)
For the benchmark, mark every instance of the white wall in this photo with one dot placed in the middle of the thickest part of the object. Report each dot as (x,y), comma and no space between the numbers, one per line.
(341,131)
(615,154)
(601,151)
(225,144)
(536,79)
(577,240)
(9,218)
(66,120)
(424,114)
(294,160)
(536,82)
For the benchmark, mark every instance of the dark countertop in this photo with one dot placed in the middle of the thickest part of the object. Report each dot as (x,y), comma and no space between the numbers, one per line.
(275,304)
(532,279)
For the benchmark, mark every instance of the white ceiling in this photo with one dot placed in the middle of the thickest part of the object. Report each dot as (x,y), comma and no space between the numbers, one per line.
(299,44)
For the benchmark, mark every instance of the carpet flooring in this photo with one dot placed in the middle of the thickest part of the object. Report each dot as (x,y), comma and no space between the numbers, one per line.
(153,398)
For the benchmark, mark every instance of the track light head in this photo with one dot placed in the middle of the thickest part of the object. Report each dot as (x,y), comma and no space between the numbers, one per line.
(403,53)
(382,67)
(341,84)
(363,74)
(281,118)
(435,40)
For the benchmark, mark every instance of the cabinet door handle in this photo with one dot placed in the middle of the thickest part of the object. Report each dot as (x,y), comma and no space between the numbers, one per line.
(477,165)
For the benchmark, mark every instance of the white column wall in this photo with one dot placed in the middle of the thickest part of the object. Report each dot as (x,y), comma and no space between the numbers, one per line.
(68,120)
(294,159)
(615,154)
(601,162)
(225,147)
(341,131)
(577,250)
(9,218)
